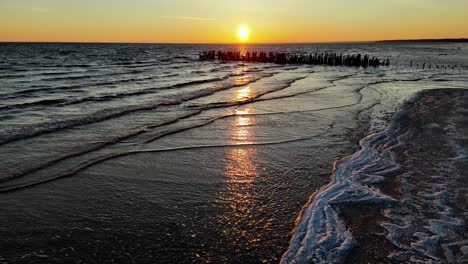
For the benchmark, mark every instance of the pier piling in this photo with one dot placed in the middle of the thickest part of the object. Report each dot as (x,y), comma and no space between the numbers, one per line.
(330,59)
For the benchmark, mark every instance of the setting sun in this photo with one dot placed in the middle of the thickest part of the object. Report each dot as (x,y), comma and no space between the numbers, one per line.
(243,33)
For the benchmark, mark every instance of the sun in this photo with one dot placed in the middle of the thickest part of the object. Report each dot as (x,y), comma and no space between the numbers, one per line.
(243,33)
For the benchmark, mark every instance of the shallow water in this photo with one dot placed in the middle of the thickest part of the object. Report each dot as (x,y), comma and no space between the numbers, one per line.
(142,153)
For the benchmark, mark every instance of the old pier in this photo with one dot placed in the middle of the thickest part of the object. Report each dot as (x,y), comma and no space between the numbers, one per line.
(330,59)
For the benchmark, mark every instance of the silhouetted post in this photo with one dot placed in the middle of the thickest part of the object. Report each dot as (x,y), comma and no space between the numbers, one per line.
(324,58)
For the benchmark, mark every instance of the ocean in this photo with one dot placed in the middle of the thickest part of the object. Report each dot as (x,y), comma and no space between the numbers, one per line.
(141,153)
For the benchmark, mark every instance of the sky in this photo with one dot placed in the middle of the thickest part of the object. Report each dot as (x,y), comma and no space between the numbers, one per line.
(216,21)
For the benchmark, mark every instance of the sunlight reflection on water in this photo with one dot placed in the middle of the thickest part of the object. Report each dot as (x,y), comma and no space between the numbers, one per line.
(240,197)
(244,94)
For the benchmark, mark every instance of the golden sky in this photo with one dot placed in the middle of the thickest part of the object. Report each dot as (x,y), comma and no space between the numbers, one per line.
(216,21)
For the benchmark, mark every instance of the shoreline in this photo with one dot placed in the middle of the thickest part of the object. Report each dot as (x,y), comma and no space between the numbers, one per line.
(366,213)
(444,40)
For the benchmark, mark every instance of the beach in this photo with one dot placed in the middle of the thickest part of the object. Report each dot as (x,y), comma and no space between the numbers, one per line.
(401,198)
(141,153)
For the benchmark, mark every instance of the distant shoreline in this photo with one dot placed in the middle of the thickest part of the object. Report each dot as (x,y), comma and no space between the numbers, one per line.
(446,40)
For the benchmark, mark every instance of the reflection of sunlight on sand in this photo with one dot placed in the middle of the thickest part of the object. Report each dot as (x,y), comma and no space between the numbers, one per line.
(242,128)
(242,134)
(241,80)
(240,204)
(244,93)
(242,112)
(241,70)
(239,200)
(241,168)
(243,121)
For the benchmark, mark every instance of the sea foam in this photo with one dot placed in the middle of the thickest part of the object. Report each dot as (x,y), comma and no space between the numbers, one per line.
(422,211)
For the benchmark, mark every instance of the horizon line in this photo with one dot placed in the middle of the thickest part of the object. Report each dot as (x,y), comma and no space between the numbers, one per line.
(248,43)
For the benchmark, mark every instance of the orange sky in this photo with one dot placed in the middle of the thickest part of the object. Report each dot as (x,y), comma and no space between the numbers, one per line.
(211,21)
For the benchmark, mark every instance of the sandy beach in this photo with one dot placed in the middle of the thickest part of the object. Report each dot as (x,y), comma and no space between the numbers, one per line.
(402,197)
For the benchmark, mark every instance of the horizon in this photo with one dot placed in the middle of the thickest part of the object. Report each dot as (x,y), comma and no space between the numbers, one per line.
(382,41)
(208,22)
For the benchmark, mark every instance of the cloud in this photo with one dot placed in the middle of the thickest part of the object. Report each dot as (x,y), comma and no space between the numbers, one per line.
(189,18)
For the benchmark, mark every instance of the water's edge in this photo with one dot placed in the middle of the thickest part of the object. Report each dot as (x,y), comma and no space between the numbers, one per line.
(323,235)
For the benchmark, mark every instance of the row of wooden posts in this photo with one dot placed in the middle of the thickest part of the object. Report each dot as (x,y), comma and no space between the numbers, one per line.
(331,59)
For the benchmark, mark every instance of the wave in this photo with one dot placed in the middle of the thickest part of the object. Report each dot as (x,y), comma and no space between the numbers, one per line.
(88,76)
(151,90)
(184,57)
(322,234)
(150,138)
(7,186)
(33,74)
(108,97)
(44,102)
(8,76)
(222,68)
(75,66)
(101,144)
(125,136)
(12,134)
(60,89)
(137,66)
(273,88)
(132,62)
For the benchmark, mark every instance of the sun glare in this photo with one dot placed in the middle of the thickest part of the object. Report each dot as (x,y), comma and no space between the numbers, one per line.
(243,33)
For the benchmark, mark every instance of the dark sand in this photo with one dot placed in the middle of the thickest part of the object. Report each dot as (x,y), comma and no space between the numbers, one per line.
(432,151)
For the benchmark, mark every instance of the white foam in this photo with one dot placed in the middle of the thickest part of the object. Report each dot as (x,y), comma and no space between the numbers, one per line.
(421,213)
(321,236)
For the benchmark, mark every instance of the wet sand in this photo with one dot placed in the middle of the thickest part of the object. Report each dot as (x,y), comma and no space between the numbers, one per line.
(409,202)
(431,186)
